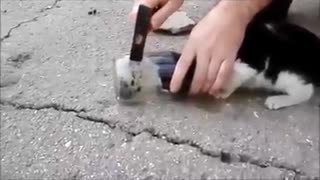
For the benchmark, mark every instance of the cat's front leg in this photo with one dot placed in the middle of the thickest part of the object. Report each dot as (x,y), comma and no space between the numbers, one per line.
(295,89)
(241,74)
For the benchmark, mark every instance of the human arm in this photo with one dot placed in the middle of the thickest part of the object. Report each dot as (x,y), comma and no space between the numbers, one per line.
(214,43)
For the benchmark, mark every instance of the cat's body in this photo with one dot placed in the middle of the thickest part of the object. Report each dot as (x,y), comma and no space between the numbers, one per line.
(284,47)
(279,57)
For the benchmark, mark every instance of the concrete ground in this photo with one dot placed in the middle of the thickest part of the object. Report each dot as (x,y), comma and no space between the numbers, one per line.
(60,120)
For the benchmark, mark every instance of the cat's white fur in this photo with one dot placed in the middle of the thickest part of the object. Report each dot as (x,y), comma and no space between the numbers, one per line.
(294,88)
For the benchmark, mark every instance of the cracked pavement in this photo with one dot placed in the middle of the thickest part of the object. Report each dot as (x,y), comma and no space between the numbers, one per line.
(60,120)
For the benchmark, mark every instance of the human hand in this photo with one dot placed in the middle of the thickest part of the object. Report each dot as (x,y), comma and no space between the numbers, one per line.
(214,42)
(165,8)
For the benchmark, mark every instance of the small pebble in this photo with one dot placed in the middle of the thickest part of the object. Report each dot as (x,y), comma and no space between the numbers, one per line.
(93,12)
(309,142)
(68,144)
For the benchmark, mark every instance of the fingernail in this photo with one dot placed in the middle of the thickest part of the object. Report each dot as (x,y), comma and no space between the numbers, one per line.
(192,91)
(207,87)
(173,89)
(212,92)
(203,90)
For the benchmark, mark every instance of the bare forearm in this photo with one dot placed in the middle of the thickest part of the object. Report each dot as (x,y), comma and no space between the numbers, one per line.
(246,9)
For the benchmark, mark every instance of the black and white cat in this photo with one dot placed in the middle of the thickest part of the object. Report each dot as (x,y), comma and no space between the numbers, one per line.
(280,57)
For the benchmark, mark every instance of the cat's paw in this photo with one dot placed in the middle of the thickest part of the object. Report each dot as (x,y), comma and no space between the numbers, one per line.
(272,103)
(277,102)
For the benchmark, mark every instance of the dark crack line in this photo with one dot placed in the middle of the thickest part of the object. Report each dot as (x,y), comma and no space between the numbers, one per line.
(17,26)
(111,125)
(54,5)
(8,35)
(225,157)
(54,106)
(176,141)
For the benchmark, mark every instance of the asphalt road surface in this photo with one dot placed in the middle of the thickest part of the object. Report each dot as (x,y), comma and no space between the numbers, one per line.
(60,120)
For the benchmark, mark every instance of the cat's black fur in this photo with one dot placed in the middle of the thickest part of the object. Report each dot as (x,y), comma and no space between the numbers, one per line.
(286,46)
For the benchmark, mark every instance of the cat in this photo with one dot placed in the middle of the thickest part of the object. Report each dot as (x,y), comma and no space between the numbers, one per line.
(281,57)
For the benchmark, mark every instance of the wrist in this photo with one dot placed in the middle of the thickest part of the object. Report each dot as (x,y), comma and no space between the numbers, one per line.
(244,10)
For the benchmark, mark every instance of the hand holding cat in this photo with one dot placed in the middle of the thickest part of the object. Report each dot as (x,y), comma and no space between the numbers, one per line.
(213,43)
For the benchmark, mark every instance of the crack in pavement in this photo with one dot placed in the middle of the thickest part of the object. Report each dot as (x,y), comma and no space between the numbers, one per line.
(55,106)
(17,26)
(54,5)
(225,157)
(111,125)
(8,35)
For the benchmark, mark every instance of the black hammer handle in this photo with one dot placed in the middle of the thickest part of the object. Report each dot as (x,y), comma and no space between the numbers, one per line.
(140,33)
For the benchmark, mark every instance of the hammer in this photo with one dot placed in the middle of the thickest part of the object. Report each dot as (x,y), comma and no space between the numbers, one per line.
(138,74)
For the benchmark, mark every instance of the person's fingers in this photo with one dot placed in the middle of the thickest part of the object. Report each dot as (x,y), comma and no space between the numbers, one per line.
(201,70)
(223,76)
(148,3)
(214,67)
(154,4)
(164,12)
(183,65)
